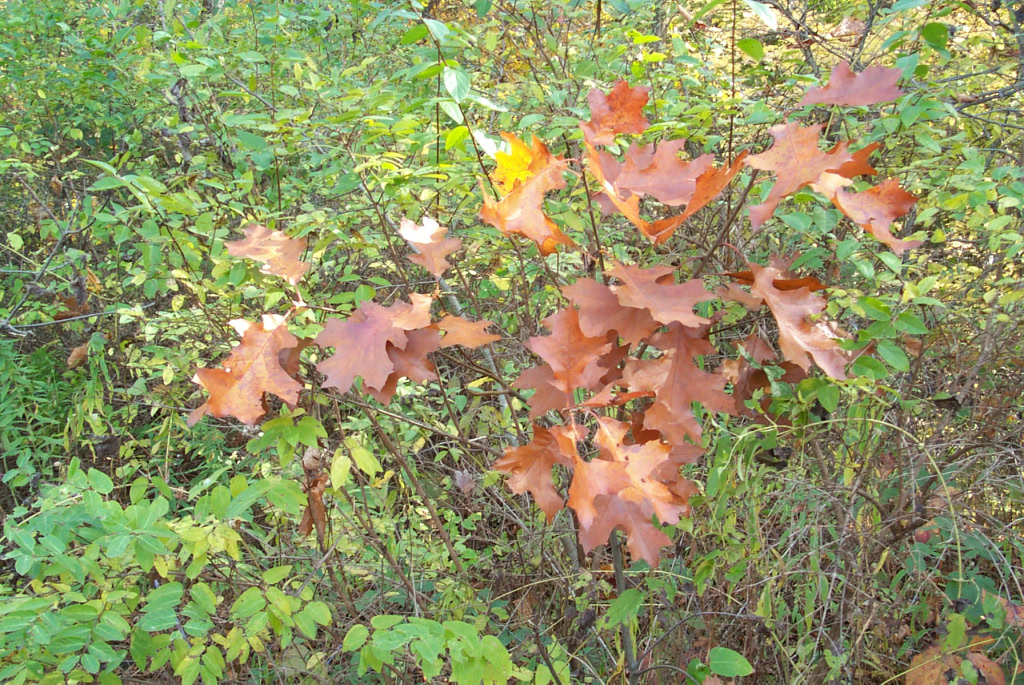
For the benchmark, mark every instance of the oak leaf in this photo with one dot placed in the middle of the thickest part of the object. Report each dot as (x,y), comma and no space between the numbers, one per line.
(547,396)
(521,210)
(529,466)
(410,361)
(432,248)
(72,307)
(660,173)
(279,254)
(620,111)
(876,208)
(667,302)
(315,514)
(677,382)
(360,341)
(869,87)
(796,160)
(252,369)
(799,337)
(600,312)
(461,331)
(574,358)
(78,355)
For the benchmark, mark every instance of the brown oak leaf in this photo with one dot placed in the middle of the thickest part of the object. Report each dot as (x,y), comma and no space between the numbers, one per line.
(601,312)
(667,302)
(677,382)
(660,173)
(574,358)
(547,396)
(432,248)
(796,160)
(529,466)
(799,337)
(360,341)
(315,514)
(620,111)
(78,355)
(869,87)
(279,254)
(876,208)
(252,369)
(461,331)
(410,361)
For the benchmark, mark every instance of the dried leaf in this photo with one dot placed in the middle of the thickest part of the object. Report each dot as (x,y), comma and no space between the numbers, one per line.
(574,358)
(529,466)
(460,331)
(876,208)
(279,254)
(601,312)
(78,355)
(430,244)
(667,302)
(869,87)
(621,111)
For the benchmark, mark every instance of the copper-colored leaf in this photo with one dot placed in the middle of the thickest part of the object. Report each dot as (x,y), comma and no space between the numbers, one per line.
(410,362)
(432,248)
(660,172)
(461,331)
(601,312)
(859,165)
(529,466)
(360,341)
(869,87)
(799,337)
(279,254)
(876,208)
(574,357)
(547,396)
(677,382)
(667,302)
(252,369)
(521,210)
(78,355)
(72,308)
(315,514)
(621,111)
(796,161)
(936,666)
(783,283)
(623,490)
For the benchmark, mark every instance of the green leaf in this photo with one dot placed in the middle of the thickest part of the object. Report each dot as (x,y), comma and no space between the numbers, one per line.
(108,183)
(936,34)
(874,308)
(319,611)
(752,47)
(355,638)
(625,607)
(455,136)
(248,603)
(870,367)
(728,663)
(456,82)
(828,396)
(437,29)
(277,574)
(911,324)
(904,5)
(364,458)
(250,141)
(956,631)
(414,35)
(100,481)
(765,13)
(482,7)
(893,355)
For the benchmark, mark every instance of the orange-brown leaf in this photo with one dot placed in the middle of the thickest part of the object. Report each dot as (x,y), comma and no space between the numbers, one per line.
(315,514)
(461,331)
(796,160)
(360,341)
(279,254)
(677,382)
(410,361)
(660,172)
(799,337)
(432,248)
(574,357)
(529,466)
(667,302)
(621,111)
(601,312)
(72,308)
(252,369)
(547,396)
(78,355)
(869,87)
(859,165)
(521,211)
(876,208)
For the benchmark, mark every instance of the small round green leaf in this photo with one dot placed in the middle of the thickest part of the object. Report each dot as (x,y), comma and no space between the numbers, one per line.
(729,663)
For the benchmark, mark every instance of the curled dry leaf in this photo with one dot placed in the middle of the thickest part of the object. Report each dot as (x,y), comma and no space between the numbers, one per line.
(869,87)
(601,313)
(78,355)
(573,357)
(432,248)
(73,306)
(660,173)
(252,369)
(279,254)
(799,337)
(461,331)
(876,208)
(620,111)
(936,666)
(315,514)
(410,361)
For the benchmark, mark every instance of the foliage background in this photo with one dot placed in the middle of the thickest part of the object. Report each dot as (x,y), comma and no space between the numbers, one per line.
(135,138)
